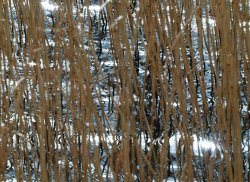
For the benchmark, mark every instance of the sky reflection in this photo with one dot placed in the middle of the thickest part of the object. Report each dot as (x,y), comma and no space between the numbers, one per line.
(199,145)
(49,6)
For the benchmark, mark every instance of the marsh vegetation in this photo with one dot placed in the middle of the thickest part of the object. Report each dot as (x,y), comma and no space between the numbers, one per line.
(124,90)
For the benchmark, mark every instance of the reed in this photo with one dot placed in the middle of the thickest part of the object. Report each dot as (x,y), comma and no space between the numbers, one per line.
(99,95)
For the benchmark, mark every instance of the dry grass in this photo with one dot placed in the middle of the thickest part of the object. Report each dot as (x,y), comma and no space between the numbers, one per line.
(176,67)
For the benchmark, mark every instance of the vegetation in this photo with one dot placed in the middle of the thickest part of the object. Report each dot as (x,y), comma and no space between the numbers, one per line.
(97,95)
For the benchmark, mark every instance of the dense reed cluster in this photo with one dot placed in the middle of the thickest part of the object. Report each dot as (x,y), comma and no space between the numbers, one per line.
(124,90)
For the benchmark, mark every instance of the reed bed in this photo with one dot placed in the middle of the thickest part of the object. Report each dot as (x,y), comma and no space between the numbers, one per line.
(100,95)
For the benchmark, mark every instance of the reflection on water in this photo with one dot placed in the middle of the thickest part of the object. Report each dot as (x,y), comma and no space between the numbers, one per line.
(49,6)
(94,8)
(199,145)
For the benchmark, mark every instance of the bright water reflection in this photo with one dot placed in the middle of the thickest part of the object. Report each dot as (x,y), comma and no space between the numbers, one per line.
(49,6)
(200,146)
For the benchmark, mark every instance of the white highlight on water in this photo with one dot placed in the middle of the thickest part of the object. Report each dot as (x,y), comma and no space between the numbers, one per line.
(49,6)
